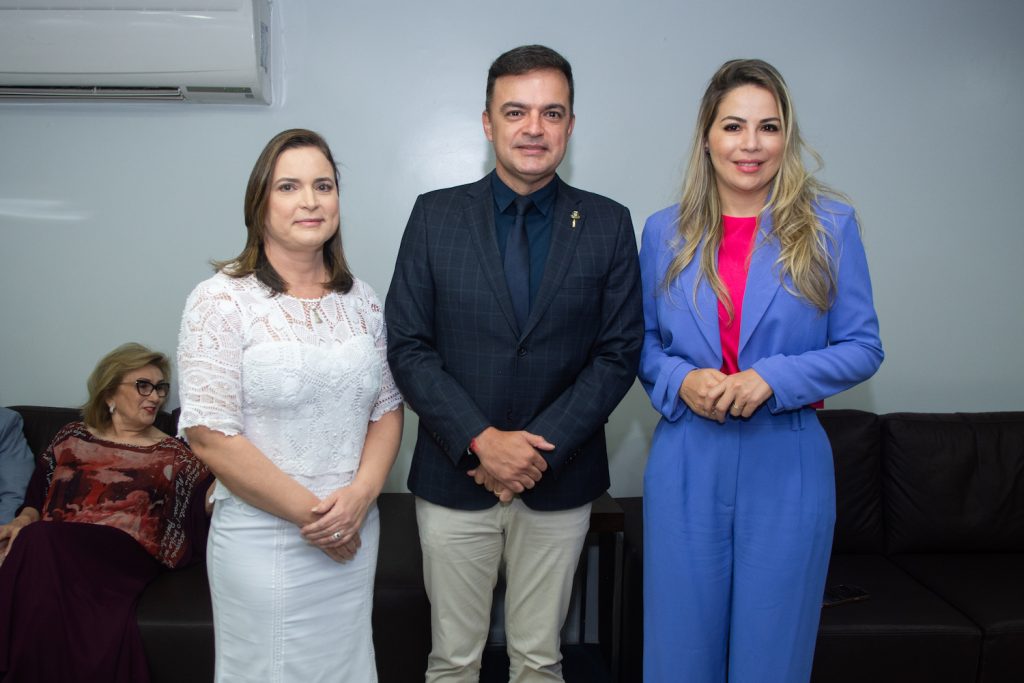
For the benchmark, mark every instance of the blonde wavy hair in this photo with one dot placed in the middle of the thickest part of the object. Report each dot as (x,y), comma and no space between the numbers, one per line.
(803,242)
(109,373)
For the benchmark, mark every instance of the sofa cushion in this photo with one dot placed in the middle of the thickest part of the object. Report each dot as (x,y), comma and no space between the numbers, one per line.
(989,590)
(401,612)
(901,634)
(42,423)
(954,482)
(856,452)
(175,618)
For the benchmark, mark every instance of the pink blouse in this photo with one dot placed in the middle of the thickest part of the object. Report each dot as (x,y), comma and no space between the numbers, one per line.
(733,261)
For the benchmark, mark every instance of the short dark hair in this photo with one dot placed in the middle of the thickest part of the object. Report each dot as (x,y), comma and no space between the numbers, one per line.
(253,259)
(524,59)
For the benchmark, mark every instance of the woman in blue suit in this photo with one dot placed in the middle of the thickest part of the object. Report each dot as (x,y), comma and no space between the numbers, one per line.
(757,305)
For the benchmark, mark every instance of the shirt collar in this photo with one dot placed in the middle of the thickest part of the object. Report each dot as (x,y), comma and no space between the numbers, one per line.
(543,199)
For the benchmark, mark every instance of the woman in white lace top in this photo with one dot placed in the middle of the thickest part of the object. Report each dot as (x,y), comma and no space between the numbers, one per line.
(286,395)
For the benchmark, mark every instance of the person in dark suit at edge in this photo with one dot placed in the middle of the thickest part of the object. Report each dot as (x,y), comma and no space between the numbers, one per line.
(515,325)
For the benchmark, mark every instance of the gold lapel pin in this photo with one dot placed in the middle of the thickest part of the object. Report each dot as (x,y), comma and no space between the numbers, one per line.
(575,216)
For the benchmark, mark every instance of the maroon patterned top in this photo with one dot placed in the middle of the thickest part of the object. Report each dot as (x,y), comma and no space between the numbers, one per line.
(144,491)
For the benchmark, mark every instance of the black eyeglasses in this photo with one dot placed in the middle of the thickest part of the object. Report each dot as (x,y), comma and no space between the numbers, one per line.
(145,387)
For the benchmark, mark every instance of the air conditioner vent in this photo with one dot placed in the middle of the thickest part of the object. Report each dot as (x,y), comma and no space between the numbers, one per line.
(67,93)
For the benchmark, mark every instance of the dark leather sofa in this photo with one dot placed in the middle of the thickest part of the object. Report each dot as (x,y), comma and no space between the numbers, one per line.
(174,612)
(175,616)
(930,521)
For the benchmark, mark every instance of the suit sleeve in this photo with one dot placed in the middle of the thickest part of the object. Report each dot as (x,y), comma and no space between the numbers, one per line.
(16,464)
(660,373)
(449,413)
(854,349)
(611,367)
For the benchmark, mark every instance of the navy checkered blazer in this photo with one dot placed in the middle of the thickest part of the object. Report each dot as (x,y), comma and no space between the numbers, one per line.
(462,363)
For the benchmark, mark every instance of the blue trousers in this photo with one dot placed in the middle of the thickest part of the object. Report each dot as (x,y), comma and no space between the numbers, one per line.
(738,521)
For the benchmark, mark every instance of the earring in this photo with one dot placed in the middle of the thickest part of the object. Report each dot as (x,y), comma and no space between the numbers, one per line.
(111,406)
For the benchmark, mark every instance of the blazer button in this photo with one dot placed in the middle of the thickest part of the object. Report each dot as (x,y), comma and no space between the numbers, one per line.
(521,351)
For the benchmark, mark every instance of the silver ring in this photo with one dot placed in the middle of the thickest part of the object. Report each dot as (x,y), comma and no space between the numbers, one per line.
(336,535)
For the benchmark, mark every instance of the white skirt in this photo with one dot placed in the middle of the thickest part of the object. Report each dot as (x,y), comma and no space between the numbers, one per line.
(283,611)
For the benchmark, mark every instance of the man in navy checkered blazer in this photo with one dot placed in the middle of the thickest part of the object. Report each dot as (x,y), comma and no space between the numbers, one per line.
(513,333)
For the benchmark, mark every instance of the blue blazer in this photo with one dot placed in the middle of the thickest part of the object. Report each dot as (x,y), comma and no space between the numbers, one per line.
(802,354)
(462,363)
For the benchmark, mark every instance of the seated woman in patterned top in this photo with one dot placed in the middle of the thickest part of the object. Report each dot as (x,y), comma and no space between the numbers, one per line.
(112,503)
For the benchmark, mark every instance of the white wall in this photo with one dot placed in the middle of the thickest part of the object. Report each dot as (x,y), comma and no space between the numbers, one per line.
(110,212)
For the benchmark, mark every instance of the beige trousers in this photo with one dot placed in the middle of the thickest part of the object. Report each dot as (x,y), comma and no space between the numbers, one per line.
(462,551)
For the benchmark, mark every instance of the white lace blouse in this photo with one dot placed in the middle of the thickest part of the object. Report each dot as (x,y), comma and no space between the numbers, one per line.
(300,378)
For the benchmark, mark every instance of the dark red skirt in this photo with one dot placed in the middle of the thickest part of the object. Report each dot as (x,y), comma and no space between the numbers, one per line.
(67,605)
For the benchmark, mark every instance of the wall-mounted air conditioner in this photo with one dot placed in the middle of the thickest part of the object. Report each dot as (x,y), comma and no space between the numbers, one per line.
(187,50)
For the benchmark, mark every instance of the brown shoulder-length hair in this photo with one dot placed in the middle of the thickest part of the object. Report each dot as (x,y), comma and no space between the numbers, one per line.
(253,259)
(803,241)
(109,373)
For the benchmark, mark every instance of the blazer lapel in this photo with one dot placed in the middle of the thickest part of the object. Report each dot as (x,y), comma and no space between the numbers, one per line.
(565,234)
(762,281)
(478,219)
(705,310)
